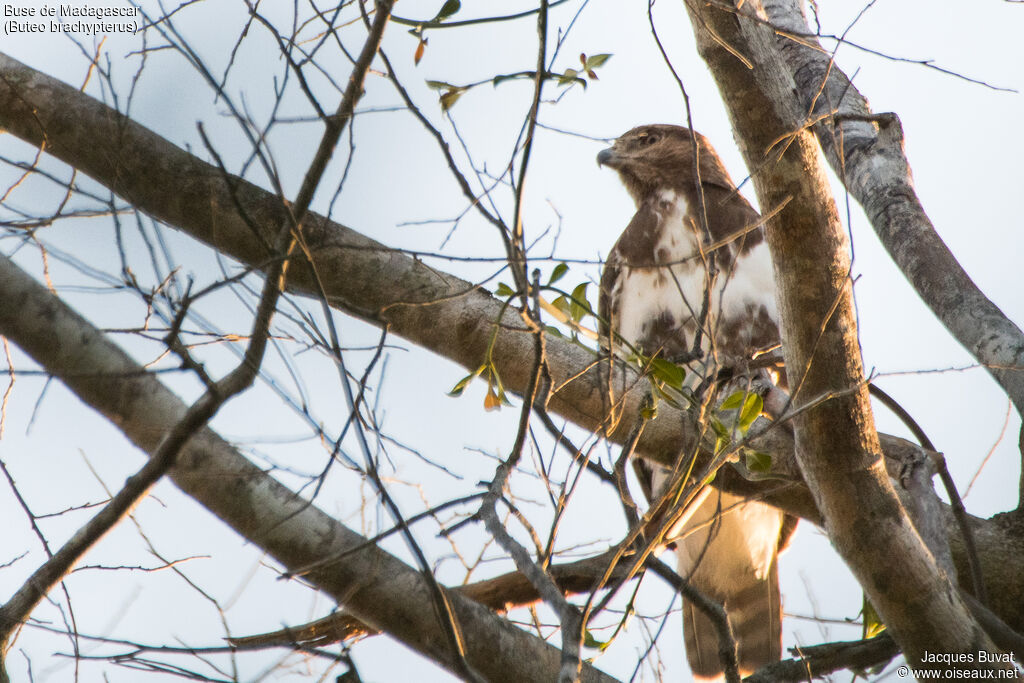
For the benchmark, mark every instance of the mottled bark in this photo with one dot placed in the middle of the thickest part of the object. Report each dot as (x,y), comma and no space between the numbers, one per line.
(362,277)
(866,152)
(837,447)
(378,588)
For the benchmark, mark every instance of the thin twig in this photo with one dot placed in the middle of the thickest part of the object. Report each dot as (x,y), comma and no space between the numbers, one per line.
(959,511)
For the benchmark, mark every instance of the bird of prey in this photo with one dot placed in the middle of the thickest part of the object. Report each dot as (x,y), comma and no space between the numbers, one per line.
(661,296)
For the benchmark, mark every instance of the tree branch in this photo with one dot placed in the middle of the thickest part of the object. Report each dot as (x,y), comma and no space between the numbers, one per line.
(837,447)
(433,309)
(866,152)
(375,586)
(501,593)
(358,275)
(820,660)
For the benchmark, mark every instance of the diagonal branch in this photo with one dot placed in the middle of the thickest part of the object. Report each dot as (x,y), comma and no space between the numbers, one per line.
(866,152)
(501,593)
(837,446)
(426,306)
(372,584)
(17,609)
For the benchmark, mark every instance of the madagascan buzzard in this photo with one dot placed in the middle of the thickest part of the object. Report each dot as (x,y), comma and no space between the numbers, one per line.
(673,288)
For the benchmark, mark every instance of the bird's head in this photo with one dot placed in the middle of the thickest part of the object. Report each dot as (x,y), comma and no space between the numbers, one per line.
(656,157)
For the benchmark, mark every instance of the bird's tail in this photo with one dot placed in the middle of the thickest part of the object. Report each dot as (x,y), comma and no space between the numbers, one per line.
(755,612)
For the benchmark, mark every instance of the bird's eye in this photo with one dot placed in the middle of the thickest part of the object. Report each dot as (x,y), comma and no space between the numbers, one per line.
(648,139)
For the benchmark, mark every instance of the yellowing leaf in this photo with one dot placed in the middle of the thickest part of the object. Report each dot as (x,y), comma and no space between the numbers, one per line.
(491,401)
(449,98)
(873,625)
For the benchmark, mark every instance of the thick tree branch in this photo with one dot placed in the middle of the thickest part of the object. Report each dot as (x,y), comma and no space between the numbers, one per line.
(866,152)
(377,587)
(501,593)
(818,661)
(837,447)
(358,275)
(431,308)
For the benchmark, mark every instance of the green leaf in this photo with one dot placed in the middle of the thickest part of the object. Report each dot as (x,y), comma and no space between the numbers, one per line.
(569,76)
(752,408)
(734,401)
(590,641)
(448,9)
(720,430)
(562,304)
(504,290)
(758,462)
(595,61)
(579,306)
(873,625)
(658,387)
(560,270)
(440,85)
(554,331)
(668,372)
(461,385)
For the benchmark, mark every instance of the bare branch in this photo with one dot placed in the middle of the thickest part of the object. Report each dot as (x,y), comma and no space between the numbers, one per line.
(362,277)
(390,594)
(820,660)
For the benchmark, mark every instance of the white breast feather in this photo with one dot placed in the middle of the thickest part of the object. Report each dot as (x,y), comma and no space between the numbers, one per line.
(752,281)
(747,534)
(642,294)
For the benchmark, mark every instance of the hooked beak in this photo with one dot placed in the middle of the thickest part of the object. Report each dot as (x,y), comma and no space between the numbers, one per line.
(605,156)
